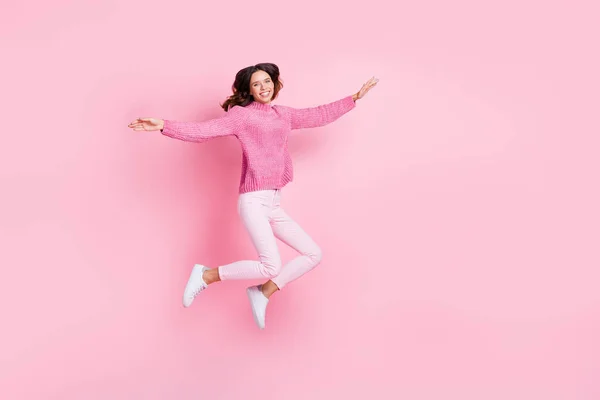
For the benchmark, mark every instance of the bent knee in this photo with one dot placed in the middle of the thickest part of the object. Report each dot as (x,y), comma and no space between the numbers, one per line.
(316,255)
(271,269)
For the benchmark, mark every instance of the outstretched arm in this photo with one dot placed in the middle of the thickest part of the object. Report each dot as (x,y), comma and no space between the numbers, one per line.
(199,132)
(324,114)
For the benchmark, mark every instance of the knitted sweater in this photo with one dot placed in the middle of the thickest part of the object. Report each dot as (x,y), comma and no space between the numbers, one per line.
(262,130)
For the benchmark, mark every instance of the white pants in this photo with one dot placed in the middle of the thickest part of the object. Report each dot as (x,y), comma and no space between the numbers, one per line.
(265,222)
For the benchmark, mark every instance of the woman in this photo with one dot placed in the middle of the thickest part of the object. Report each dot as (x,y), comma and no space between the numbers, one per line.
(262,130)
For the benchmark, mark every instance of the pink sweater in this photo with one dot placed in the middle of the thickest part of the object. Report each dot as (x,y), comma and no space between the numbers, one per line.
(262,130)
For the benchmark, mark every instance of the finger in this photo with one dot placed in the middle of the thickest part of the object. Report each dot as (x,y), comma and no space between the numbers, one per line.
(136,121)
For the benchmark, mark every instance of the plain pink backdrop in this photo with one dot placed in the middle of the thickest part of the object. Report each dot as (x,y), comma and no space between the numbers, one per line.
(457,205)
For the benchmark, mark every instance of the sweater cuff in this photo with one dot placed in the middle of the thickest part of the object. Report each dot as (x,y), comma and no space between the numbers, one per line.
(349,102)
(165,126)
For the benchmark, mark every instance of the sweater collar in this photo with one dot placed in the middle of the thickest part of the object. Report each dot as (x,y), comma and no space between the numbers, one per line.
(259,106)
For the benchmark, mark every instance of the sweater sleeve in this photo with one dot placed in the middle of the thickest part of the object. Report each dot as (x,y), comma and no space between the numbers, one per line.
(226,125)
(322,115)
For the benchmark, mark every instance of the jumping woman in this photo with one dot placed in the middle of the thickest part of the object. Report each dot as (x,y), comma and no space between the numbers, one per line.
(262,130)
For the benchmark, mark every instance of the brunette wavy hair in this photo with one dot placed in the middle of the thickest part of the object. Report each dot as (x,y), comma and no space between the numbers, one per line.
(241,86)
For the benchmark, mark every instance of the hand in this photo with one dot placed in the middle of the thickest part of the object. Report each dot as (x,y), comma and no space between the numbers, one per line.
(147,124)
(365,88)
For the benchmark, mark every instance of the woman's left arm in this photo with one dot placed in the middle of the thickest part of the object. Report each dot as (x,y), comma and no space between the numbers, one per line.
(322,115)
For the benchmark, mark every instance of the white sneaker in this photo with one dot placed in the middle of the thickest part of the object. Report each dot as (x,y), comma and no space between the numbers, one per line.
(194,285)
(258,303)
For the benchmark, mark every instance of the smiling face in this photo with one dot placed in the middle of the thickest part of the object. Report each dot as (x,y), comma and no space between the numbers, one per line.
(261,87)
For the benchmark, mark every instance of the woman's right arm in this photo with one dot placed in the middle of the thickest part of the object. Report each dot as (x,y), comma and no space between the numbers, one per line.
(228,124)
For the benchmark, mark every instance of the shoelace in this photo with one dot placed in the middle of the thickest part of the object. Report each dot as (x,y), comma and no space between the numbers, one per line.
(197,290)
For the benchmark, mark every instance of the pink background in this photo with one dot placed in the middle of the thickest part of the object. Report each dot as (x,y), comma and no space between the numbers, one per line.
(457,205)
